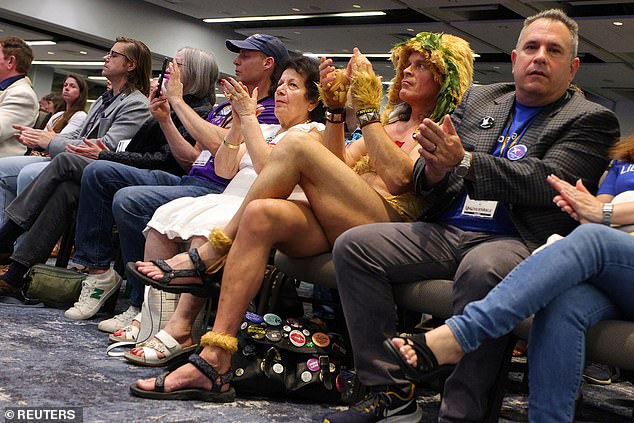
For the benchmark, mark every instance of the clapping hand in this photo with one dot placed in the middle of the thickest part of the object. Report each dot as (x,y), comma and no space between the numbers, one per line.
(576,200)
(89,149)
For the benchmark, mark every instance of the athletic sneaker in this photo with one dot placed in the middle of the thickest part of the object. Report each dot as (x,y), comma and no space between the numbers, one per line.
(390,405)
(600,374)
(119,321)
(96,289)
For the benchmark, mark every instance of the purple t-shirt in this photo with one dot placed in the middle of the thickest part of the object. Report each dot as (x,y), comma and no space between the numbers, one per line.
(203,167)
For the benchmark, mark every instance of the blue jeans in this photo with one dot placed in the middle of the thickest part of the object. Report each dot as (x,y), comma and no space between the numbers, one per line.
(571,285)
(128,196)
(15,174)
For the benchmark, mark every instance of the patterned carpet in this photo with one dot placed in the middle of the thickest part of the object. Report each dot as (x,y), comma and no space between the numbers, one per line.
(47,360)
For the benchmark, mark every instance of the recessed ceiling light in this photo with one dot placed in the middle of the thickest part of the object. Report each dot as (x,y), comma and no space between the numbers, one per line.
(83,52)
(345,50)
(97,78)
(295,9)
(617,23)
(66,63)
(296,32)
(41,43)
(356,6)
(293,17)
(372,55)
(50,52)
(410,29)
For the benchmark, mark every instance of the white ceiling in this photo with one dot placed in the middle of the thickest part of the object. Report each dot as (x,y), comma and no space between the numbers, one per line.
(491,26)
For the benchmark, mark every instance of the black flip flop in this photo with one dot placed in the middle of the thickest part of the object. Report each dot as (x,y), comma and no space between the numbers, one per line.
(427,367)
(205,289)
(192,394)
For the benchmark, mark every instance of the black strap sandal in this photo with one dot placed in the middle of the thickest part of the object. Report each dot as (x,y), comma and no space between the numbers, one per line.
(206,289)
(189,394)
(427,367)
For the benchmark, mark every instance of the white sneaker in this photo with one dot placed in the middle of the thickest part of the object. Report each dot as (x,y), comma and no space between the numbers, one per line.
(96,289)
(119,321)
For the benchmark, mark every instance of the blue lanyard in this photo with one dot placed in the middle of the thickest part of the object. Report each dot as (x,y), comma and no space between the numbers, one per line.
(505,134)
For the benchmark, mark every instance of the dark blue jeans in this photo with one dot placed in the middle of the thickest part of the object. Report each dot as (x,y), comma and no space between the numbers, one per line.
(113,193)
(570,286)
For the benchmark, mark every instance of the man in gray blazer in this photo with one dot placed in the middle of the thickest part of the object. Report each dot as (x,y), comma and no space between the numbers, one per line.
(483,173)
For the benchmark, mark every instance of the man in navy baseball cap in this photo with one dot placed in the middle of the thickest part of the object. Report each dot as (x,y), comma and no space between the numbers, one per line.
(267,44)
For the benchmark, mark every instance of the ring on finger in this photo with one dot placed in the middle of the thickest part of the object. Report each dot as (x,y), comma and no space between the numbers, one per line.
(433,150)
(228,96)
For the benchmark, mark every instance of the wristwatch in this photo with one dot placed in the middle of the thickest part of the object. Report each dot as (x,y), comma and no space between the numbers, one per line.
(335,115)
(607,210)
(367,118)
(463,167)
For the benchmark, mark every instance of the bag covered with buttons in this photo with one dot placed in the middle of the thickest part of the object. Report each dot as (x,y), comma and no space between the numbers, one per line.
(291,358)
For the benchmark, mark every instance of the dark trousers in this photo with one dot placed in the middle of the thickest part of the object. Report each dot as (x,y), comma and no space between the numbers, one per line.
(369,259)
(47,207)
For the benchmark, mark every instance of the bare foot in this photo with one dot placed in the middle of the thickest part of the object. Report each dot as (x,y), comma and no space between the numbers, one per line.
(121,331)
(183,341)
(188,376)
(180,261)
(441,341)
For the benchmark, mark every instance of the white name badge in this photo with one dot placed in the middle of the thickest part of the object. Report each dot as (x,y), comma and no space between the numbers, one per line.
(122,145)
(203,158)
(479,208)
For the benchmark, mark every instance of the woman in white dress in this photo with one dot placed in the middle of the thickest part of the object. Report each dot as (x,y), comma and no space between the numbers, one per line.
(242,155)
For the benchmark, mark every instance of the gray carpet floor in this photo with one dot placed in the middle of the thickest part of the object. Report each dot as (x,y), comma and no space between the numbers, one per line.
(48,360)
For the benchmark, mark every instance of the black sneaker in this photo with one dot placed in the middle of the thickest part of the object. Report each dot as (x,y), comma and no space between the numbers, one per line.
(390,405)
(600,374)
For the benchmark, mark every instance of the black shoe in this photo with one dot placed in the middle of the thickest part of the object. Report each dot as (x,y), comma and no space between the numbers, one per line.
(600,374)
(7,290)
(389,405)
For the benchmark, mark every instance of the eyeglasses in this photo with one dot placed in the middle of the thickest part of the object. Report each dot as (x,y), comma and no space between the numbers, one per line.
(114,54)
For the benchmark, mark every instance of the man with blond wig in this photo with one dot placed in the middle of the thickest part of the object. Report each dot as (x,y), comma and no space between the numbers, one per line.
(482,175)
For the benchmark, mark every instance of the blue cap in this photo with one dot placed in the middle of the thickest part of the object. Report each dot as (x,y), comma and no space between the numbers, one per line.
(267,44)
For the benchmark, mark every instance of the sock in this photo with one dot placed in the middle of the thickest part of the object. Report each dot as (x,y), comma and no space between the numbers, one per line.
(9,233)
(15,274)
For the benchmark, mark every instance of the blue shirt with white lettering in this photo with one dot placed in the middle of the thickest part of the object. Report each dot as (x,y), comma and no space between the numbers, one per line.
(620,178)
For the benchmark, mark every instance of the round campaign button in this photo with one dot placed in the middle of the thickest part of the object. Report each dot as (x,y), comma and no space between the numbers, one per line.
(244,325)
(248,349)
(273,335)
(321,339)
(272,319)
(253,317)
(256,331)
(278,368)
(340,383)
(332,367)
(306,376)
(297,338)
(286,328)
(294,322)
(313,365)
(239,372)
(306,332)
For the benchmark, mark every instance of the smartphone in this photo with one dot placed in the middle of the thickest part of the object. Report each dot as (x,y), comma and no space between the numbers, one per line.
(166,62)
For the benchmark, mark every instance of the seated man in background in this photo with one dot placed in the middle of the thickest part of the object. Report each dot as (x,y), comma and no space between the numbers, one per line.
(18,102)
(117,115)
(486,210)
